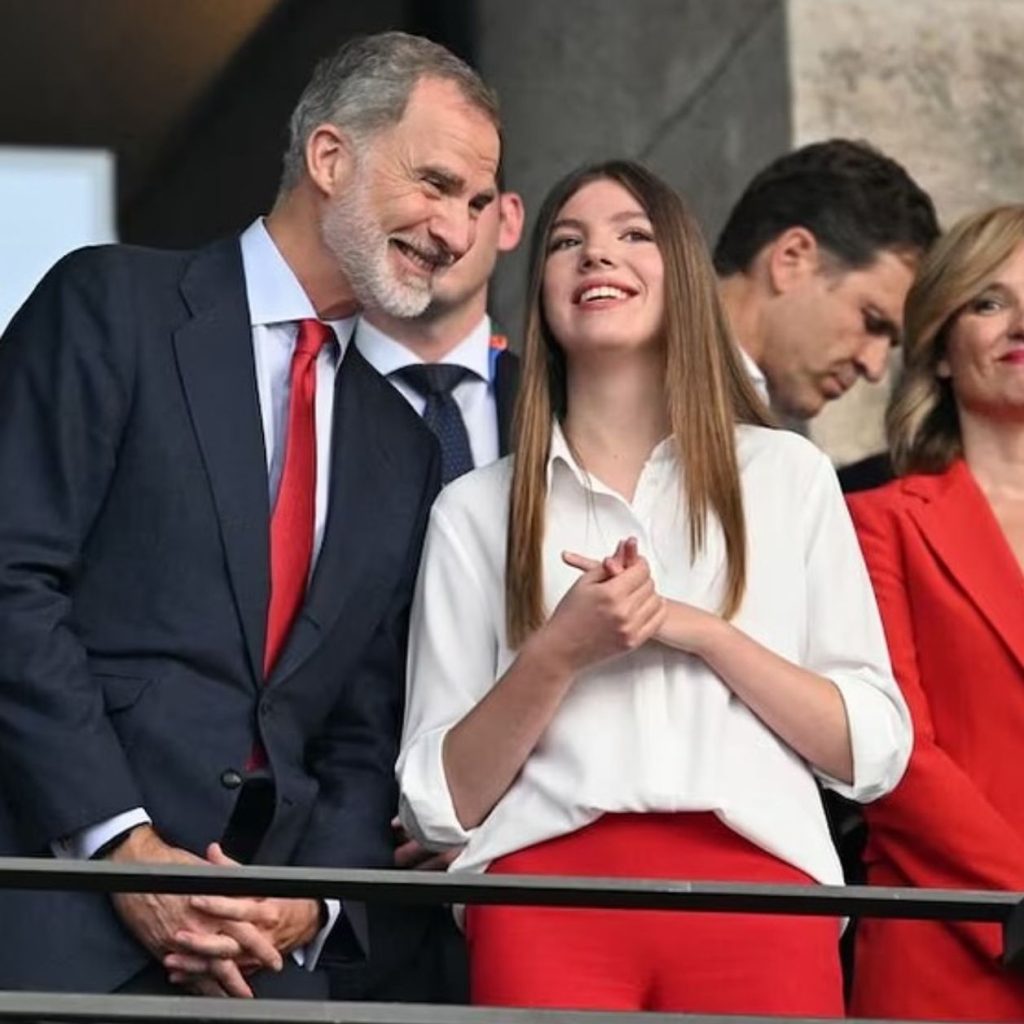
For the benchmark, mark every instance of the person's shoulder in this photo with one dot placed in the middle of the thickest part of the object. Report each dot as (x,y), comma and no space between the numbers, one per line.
(478,497)
(102,260)
(114,276)
(890,495)
(884,514)
(778,450)
(897,498)
(91,293)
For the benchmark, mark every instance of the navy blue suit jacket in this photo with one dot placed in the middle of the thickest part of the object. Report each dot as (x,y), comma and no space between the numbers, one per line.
(133,592)
(506,389)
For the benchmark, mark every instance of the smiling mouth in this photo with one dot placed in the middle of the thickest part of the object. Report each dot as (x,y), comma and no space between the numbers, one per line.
(602,294)
(427,262)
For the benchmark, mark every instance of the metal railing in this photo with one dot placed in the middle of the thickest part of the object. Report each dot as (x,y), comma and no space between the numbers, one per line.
(76,1009)
(413,888)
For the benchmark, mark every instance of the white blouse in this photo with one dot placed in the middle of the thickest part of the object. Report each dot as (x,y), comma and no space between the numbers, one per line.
(655,729)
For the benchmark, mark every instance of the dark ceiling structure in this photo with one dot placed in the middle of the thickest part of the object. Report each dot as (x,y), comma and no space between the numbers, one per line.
(192,96)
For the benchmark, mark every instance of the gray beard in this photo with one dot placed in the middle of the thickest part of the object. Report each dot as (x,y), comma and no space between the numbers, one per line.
(361,249)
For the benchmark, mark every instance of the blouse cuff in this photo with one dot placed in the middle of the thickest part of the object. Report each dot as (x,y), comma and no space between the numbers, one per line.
(880,739)
(425,805)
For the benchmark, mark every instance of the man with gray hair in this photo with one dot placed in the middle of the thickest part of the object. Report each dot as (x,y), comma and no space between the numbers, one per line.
(206,569)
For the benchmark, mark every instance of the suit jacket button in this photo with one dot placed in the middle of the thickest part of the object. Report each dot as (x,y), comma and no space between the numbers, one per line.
(230,779)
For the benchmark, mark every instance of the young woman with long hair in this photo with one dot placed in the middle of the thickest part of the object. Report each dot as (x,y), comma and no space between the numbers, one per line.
(636,646)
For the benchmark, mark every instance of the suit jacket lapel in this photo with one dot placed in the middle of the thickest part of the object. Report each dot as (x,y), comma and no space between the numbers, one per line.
(506,386)
(960,527)
(215,359)
(346,563)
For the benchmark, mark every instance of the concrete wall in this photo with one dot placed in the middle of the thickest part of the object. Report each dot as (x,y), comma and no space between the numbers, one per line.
(696,89)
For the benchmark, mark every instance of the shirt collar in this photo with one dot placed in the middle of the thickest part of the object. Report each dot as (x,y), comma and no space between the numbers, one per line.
(387,356)
(272,289)
(754,372)
(560,453)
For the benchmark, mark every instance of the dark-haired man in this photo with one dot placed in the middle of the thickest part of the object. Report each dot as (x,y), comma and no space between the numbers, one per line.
(814,264)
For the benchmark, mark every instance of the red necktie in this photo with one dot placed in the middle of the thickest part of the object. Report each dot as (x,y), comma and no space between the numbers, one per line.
(292,521)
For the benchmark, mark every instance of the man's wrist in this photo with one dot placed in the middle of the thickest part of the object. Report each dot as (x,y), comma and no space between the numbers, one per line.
(105,851)
(129,845)
(306,954)
(315,921)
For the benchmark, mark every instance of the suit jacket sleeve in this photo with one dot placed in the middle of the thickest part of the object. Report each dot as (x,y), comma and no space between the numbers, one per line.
(936,828)
(65,393)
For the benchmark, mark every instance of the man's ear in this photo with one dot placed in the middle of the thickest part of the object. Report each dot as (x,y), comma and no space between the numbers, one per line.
(791,258)
(330,158)
(512,214)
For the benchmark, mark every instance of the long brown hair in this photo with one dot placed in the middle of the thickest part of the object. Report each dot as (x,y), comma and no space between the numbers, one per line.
(707,392)
(922,422)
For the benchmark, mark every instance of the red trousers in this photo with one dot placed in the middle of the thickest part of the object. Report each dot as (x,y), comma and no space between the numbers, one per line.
(691,962)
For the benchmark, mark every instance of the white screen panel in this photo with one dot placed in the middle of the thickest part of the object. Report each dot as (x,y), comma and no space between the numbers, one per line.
(51,201)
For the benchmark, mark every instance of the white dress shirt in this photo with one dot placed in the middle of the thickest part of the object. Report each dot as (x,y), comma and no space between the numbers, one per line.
(276,303)
(474,395)
(755,373)
(656,729)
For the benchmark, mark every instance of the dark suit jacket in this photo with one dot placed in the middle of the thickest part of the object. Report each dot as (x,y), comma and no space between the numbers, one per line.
(506,387)
(418,954)
(863,475)
(133,592)
(951,596)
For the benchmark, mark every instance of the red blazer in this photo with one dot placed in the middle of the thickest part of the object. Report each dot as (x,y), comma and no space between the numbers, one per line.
(951,596)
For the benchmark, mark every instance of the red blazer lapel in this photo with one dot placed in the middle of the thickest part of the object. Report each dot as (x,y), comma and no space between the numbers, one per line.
(959,526)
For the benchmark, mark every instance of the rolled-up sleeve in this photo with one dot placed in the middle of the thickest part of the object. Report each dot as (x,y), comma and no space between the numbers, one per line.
(846,644)
(453,645)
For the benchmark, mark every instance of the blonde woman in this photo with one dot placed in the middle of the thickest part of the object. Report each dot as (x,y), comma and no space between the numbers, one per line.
(944,544)
(636,647)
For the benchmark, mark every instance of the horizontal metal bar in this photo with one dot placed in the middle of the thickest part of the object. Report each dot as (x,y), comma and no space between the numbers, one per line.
(416,887)
(123,1009)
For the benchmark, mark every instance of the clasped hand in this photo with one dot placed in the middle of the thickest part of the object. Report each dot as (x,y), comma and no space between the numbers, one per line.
(611,609)
(614,607)
(210,944)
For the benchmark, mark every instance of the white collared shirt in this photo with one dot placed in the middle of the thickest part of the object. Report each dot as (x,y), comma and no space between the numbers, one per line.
(276,303)
(755,373)
(656,729)
(474,395)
